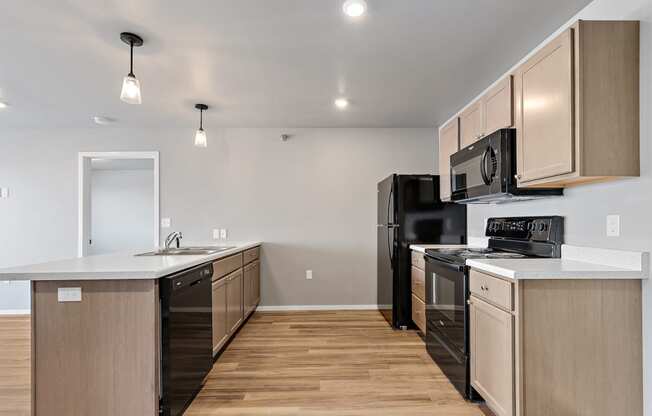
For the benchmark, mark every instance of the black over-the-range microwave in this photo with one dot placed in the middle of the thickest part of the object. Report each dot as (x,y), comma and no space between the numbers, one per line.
(485,172)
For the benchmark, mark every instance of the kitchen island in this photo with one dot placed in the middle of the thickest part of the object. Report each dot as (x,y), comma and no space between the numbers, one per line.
(96,325)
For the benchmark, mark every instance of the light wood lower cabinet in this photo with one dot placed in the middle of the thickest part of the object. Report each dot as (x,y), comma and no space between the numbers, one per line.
(234,300)
(492,355)
(251,286)
(557,347)
(220,325)
(418,291)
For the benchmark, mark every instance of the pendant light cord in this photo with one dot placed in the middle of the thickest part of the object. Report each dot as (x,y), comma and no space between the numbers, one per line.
(201,119)
(131,58)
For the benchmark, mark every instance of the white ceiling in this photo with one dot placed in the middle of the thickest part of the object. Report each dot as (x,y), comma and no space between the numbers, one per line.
(262,63)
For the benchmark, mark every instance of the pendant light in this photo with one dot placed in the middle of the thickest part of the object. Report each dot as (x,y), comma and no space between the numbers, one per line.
(200,135)
(130,93)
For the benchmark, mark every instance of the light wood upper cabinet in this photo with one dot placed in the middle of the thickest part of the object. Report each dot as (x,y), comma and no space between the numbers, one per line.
(492,355)
(448,144)
(498,106)
(220,330)
(492,111)
(546,135)
(471,124)
(577,107)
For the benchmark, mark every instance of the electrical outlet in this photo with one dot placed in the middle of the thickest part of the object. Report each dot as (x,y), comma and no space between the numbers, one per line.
(308,274)
(216,234)
(4,192)
(69,294)
(223,234)
(166,223)
(613,225)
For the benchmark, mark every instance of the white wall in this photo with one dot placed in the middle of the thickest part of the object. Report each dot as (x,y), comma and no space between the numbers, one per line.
(122,210)
(312,199)
(585,207)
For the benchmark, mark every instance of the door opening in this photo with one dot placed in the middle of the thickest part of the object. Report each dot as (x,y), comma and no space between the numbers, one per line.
(118,202)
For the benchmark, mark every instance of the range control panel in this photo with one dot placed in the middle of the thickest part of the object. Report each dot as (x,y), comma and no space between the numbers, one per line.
(549,229)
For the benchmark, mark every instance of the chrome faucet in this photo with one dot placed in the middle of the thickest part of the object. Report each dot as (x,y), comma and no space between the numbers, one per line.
(176,235)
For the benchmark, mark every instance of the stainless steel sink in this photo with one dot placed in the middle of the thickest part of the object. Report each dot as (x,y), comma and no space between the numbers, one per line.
(185,251)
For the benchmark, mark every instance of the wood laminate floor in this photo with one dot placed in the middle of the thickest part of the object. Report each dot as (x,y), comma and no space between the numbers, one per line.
(341,363)
(344,363)
(15,370)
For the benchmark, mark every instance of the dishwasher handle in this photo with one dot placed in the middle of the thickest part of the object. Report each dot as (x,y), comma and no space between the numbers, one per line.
(191,277)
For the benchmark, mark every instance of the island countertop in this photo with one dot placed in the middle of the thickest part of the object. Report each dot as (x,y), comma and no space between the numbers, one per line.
(117,266)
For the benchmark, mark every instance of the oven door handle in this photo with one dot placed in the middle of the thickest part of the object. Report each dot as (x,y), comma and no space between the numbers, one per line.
(437,264)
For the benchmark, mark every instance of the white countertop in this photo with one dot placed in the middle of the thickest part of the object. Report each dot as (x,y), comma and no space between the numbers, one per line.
(472,242)
(118,266)
(576,263)
(421,248)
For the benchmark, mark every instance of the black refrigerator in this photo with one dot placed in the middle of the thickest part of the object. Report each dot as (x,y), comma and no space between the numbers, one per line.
(410,212)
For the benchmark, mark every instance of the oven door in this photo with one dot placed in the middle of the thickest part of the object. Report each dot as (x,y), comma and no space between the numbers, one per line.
(446,304)
(475,170)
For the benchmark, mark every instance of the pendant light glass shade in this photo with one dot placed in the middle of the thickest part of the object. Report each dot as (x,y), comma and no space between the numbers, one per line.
(200,138)
(130,93)
(130,90)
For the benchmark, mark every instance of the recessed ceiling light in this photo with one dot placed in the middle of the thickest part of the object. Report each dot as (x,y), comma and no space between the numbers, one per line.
(354,8)
(341,103)
(3,105)
(103,121)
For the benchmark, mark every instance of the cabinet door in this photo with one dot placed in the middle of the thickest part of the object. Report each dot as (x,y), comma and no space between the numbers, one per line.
(471,124)
(545,123)
(498,110)
(256,284)
(220,331)
(234,300)
(492,356)
(448,144)
(248,286)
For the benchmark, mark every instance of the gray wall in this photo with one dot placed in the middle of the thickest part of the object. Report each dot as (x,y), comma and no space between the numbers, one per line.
(122,210)
(312,199)
(585,207)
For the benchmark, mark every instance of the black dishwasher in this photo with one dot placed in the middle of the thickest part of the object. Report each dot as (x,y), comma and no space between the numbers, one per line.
(186,337)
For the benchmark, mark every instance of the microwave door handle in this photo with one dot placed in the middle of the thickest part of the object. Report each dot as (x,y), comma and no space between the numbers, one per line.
(483,167)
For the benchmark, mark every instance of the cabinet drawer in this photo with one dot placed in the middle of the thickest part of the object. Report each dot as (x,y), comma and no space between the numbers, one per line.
(227,265)
(418,260)
(419,313)
(419,283)
(492,289)
(251,255)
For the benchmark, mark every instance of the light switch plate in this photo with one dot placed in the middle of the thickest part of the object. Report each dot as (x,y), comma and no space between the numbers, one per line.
(69,294)
(4,192)
(216,234)
(308,274)
(223,234)
(613,225)
(165,223)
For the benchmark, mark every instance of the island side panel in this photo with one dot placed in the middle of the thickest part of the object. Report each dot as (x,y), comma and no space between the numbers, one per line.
(581,347)
(98,356)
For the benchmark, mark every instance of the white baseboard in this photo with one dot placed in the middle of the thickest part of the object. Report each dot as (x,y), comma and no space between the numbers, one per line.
(317,308)
(15,312)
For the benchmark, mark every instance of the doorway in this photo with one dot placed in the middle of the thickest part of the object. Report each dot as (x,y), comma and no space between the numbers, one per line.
(118,202)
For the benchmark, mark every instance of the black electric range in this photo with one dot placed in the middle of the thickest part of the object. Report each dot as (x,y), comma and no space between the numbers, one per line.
(447,287)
